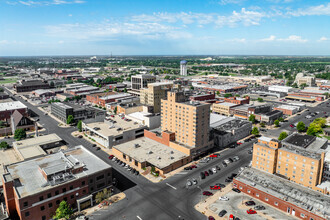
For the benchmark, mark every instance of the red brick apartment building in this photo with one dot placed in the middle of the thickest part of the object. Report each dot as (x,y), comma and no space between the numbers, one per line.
(238,100)
(33,189)
(271,190)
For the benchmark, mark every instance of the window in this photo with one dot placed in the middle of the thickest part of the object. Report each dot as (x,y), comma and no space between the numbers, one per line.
(41,198)
(257,194)
(25,204)
(57,202)
(302,215)
(49,195)
(72,196)
(71,187)
(50,205)
(43,217)
(83,183)
(57,192)
(248,191)
(276,203)
(240,187)
(42,208)
(91,180)
(99,177)
(64,190)
(27,214)
(266,199)
(65,199)
(84,191)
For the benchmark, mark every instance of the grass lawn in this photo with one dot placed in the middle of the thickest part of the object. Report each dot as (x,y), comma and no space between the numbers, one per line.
(9,80)
(232,74)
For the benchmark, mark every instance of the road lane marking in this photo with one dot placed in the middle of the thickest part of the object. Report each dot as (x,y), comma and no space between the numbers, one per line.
(139,217)
(182,173)
(170,186)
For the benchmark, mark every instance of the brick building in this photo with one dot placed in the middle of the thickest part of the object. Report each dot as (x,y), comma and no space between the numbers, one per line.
(33,189)
(28,86)
(8,108)
(238,100)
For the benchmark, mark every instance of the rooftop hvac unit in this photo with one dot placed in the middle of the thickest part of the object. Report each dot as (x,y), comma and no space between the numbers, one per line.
(172,158)
(172,152)
(159,158)
(136,145)
(150,152)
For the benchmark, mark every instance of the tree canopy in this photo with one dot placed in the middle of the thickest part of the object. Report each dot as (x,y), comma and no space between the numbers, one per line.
(19,134)
(301,126)
(70,119)
(252,118)
(63,211)
(255,131)
(79,125)
(283,135)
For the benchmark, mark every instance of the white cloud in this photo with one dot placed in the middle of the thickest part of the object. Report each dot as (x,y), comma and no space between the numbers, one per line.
(291,38)
(270,38)
(313,10)
(61,42)
(107,30)
(245,17)
(237,40)
(45,3)
(70,15)
(323,39)
(4,42)
(226,2)
(294,38)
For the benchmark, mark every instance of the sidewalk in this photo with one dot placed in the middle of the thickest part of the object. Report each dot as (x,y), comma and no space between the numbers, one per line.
(61,123)
(114,199)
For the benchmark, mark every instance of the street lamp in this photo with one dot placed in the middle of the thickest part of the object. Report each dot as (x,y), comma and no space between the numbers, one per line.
(201,193)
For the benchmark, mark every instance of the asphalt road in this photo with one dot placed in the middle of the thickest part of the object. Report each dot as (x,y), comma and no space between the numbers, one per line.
(322,107)
(145,200)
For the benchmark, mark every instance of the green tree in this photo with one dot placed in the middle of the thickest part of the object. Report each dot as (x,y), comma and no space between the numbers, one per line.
(302,86)
(52,84)
(262,124)
(102,195)
(314,129)
(191,88)
(260,100)
(125,90)
(301,126)
(283,135)
(70,119)
(4,145)
(79,125)
(252,118)
(63,211)
(227,95)
(255,131)
(19,134)
(294,85)
(218,93)
(326,95)
(281,119)
(115,110)
(320,121)
(115,89)
(277,123)
(167,77)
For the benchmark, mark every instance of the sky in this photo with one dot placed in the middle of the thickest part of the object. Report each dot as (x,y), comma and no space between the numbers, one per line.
(164,27)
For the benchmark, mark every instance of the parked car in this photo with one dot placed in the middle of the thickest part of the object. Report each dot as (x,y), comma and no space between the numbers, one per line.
(230,160)
(217,167)
(213,156)
(259,207)
(223,198)
(202,175)
(214,170)
(193,166)
(222,213)
(236,158)
(207,193)
(221,185)
(239,143)
(228,180)
(98,148)
(93,145)
(80,136)
(250,203)
(187,168)
(251,211)
(210,172)
(110,157)
(236,190)
(224,164)
(211,218)
(227,161)
(194,181)
(137,172)
(215,187)
(206,173)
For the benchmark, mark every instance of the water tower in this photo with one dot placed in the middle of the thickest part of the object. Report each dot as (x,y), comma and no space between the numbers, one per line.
(183,68)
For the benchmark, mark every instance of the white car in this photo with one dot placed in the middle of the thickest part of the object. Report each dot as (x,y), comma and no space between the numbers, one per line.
(214,170)
(227,161)
(236,158)
(223,198)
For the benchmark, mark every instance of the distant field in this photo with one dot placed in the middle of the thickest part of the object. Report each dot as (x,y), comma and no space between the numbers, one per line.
(232,74)
(10,80)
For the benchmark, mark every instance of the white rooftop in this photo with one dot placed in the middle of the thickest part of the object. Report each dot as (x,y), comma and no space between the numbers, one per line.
(289,107)
(11,105)
(263,138)
(216,119)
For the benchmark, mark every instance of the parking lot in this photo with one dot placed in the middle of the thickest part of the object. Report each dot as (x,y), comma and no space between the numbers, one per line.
(236,206)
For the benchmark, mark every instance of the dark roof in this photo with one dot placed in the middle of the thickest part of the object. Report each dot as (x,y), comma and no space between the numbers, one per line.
(300,140)
(272,112)
(32,83)
(17,116)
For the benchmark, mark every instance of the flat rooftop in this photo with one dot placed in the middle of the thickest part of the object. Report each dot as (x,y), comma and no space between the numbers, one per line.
(11,105)
(115,126)
(305,145)
(288,107)
(116,96)
(232,124)
(217,120)
(144,149)
(37,141)
(226,104)
(29,180)
(283,189)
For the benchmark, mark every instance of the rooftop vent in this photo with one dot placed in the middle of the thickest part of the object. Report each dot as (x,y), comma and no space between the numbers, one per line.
(150,152)
(159,158)
(172,152)
(136,145)
(172,158)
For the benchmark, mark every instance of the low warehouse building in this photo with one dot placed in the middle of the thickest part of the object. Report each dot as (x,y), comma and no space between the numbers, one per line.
(144,152)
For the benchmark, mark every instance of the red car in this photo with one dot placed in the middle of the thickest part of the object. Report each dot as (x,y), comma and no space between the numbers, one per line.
(215,187)
(292,126)
(111,156)
(193,166)
(251,211)
(206,173)
(239,143)
(207,193)
(213,156)
(211,218)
